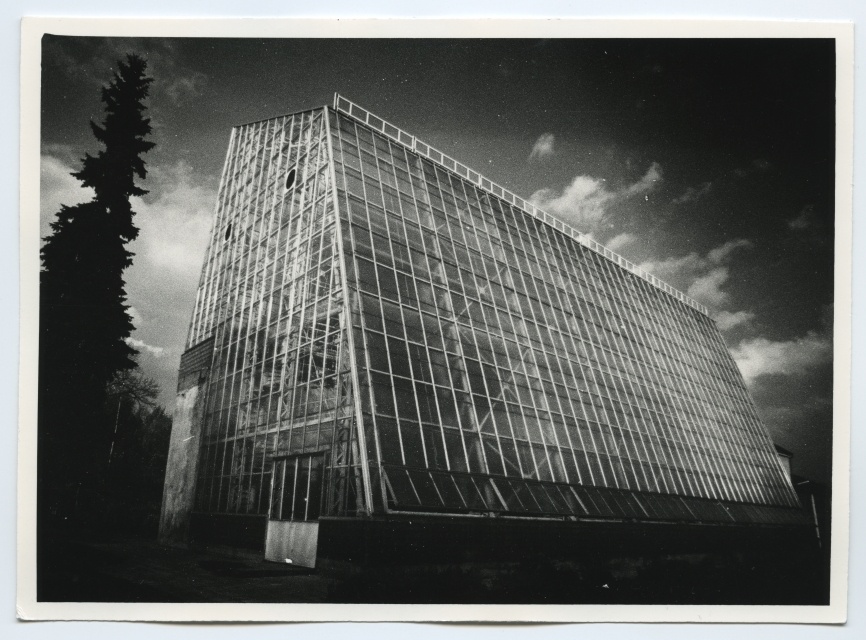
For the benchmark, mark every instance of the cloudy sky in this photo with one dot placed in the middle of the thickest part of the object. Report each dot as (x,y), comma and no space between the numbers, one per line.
(709,163)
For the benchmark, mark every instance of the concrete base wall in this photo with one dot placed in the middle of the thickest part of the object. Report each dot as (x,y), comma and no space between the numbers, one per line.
(401,540)
(429,560)
(180,472)
(241,532)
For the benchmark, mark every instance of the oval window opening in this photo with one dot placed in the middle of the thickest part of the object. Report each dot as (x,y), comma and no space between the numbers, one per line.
(290,179)
(229,231)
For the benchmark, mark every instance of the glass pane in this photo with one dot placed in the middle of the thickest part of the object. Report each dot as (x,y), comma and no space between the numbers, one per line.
(314,501)
(413,450)
(302,478)
(512,502)
(471,496)
(447,489)
(389,440)
(425,489)
(277,489)
(288,489)
(403,492)
(382,393)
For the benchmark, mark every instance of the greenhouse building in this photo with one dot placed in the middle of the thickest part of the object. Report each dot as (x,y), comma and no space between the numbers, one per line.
(382,335)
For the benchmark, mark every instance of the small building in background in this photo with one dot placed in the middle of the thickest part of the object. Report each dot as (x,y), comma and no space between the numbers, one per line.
(785,457)
(814,497)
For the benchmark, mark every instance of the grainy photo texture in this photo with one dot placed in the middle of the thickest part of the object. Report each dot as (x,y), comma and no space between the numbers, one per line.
(436,321)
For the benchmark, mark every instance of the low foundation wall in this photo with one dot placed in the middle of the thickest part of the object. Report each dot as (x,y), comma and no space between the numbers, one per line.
(463,560)
(236,531)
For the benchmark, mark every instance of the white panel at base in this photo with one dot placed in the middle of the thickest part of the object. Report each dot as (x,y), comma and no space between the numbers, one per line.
(295,541)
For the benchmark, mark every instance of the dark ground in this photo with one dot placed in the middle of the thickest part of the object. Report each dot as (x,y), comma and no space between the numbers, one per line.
(140,570)
(78,567)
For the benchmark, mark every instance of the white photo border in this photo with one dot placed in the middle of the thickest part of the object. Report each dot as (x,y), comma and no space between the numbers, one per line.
(34,28)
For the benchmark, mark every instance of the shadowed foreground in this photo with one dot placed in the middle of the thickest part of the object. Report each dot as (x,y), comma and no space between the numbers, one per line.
(133,569)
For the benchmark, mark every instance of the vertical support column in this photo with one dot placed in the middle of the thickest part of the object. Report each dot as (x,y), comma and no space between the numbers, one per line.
(178,497)
(346,321)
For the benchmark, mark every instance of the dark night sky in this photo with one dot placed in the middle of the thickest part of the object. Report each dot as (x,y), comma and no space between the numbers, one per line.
(708,162)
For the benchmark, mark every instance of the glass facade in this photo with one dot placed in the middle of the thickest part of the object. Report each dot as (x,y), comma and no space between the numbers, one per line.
(438,345)
(271,295)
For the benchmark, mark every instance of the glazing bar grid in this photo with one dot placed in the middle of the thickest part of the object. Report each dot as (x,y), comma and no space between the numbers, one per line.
(343,105)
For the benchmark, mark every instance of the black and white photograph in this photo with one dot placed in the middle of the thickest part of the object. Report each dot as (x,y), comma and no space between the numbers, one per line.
(333,318)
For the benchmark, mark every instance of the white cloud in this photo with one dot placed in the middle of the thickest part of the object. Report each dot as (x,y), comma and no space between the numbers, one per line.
(156,352)
(620,242)
(807,408)
(721,253)
(92,67)
(702,277)
(759,356)
(137,318)
(802,220)
(647,182)
(727,320)
(692,193)
(174,221)
(754,166)
(543,147)
(175,224)
(707,288)
(57,187)
(585,202)
(185,87)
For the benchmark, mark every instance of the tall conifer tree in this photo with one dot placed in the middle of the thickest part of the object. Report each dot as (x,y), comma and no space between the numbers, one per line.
(84,318)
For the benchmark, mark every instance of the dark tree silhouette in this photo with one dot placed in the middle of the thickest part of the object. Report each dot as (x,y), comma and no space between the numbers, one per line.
(137,456)
(84,318)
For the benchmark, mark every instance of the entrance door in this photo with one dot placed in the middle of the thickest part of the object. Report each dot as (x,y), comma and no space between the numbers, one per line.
(296,501)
